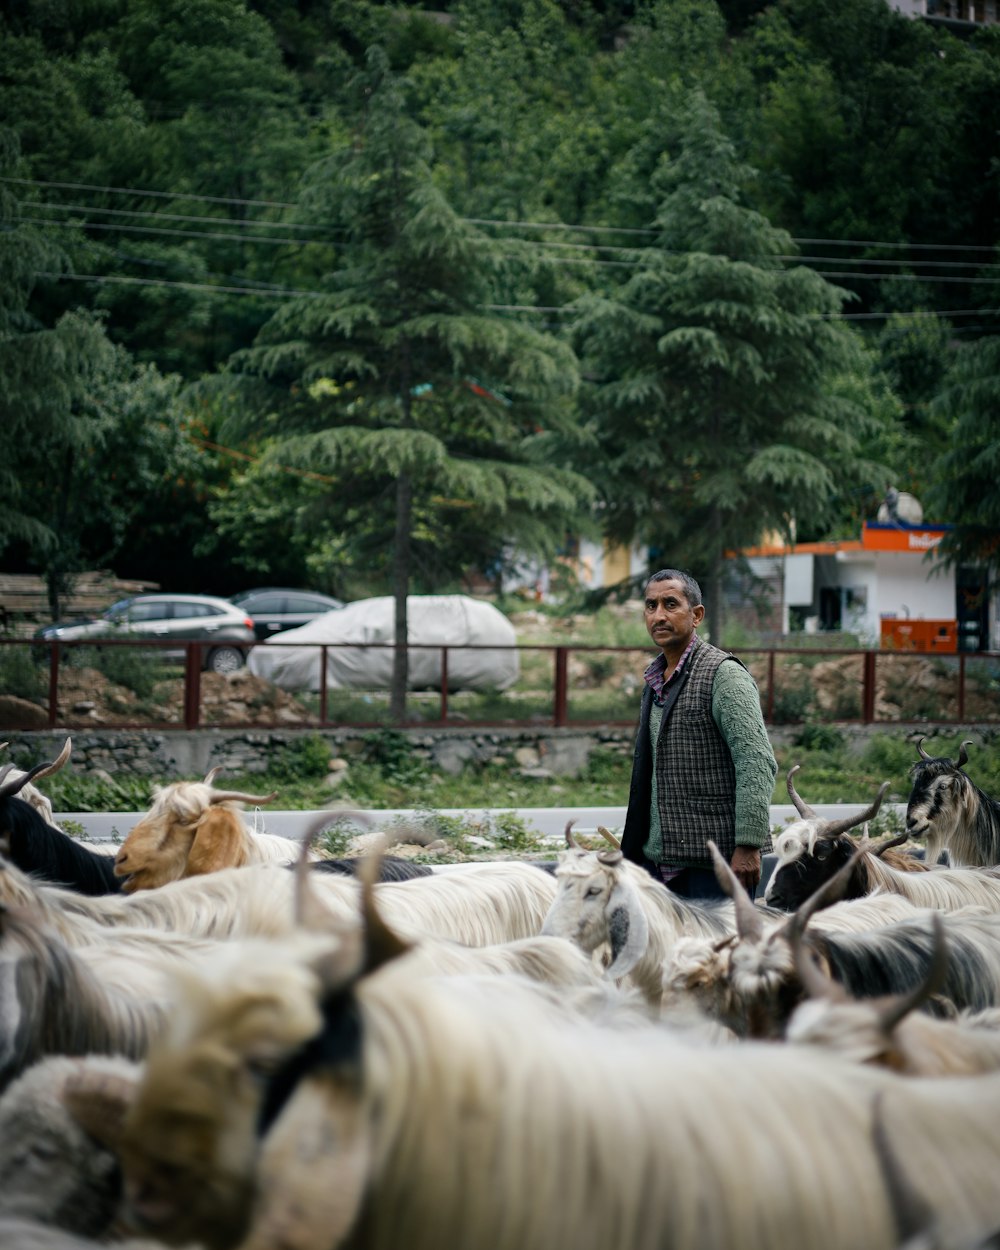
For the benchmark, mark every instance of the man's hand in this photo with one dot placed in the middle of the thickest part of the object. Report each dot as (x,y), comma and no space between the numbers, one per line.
(746,865)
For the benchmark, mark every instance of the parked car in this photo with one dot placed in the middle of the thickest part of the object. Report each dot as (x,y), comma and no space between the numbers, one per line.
(177,618)
(277,608)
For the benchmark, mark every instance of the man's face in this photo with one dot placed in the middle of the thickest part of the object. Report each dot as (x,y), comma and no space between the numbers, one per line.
(669,618)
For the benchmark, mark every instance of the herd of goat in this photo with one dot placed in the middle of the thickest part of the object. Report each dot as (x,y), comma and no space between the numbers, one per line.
(221,1039)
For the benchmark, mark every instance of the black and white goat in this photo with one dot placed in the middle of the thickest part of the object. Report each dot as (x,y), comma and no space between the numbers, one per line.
(813,850)
(36,846)
(750,982)
(949,811)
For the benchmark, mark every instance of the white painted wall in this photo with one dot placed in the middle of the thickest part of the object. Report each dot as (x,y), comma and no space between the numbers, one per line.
(907,582)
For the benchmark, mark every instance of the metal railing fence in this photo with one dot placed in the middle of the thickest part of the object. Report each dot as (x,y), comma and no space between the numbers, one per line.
(560,685)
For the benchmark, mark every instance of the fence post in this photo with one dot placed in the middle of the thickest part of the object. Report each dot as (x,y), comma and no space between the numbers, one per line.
(961,685)
(192,685)
(53,684)
(560,710)
(444,683)
(322,685)
(868,690)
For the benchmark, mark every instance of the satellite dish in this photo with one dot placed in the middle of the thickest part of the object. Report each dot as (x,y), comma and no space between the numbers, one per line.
(899,507)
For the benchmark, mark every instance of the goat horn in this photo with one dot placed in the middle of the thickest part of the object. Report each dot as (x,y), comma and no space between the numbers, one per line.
(889,843)
(211,775)
(571,842)
(815,981)
(920,748)
(749,922)
(9,788)
(610,857)
(235,796)
(59,762)
(5,771)
(381,943)
(900,1005)
(833,828)
(963,754)
(608,836)
(803,809)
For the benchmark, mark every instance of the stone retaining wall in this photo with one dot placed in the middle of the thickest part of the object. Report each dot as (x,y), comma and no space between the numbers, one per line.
(532,752)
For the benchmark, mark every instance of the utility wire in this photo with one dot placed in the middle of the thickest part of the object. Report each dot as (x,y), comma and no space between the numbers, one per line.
(293,293)
(236,222)
(527,225)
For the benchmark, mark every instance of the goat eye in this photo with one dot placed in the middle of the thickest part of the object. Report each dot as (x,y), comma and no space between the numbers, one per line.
(593,891)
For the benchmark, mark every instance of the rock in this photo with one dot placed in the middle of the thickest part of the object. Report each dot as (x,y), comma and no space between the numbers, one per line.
(18,713)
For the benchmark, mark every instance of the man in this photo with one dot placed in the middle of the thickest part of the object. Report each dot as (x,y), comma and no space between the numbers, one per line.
(703,766)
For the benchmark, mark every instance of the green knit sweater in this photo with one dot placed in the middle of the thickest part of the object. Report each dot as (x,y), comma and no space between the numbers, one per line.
(736,712)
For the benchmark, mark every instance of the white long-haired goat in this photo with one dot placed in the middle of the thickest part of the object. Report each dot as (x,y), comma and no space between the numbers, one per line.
(331,1099)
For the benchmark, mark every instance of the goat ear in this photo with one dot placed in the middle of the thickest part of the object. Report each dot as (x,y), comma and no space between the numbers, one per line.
(99,1102)
(628,929)
(323,1132)
(219,842)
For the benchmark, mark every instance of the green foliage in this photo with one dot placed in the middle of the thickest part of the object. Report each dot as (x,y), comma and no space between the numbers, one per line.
(815,736)
(302,758)
(966,487)
(20,675)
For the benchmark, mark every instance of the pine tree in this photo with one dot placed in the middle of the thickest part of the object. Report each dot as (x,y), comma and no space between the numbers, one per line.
(716,367)
(399,380)
(965,486)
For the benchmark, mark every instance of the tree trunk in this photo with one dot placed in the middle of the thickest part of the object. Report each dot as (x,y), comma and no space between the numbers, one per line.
(401,590)
(714,601)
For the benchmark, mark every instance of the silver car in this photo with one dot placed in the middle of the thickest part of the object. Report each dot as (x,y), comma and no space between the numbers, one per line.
(174,618)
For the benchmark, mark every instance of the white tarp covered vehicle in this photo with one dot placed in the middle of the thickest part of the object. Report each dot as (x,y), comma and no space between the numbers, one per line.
(454,621)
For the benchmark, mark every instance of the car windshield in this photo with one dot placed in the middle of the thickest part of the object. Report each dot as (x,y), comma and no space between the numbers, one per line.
(118,611)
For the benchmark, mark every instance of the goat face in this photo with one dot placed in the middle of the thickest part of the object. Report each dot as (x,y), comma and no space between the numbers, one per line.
(805,861)
(188,1148)
(157,849)
(935,802)
(579,911)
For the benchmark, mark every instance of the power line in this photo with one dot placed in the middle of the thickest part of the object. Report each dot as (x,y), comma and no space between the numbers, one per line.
(527,225)
(122,280)
(168,232)
(151,212)
(292,293)
(165,195)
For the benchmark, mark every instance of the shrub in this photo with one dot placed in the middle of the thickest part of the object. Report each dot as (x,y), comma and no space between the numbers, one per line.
(20,676)
(303,758)
(816,737)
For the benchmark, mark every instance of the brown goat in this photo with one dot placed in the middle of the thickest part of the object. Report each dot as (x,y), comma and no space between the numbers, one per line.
(192,829)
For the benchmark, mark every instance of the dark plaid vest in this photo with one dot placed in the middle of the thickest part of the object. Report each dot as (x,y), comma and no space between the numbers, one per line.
(695,777)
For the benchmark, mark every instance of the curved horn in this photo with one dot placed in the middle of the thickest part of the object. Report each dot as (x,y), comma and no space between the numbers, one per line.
(815,981)
(749,921)
(834,827)
(963,754)
(608,836)
(920,748)
(571,842)
(610,857)
(9,788)
(236,796)
(803,809)
(211,775)
(889,843)
(59,762)
(900,1005)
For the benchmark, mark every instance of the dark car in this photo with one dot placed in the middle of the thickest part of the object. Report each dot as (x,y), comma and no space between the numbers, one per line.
(180,618)
(277,608)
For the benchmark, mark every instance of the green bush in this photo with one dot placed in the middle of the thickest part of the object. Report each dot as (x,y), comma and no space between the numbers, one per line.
(20,676)
(303,758)
(818,737)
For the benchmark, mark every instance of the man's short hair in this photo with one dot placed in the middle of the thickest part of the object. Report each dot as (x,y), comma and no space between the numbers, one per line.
(692,591)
